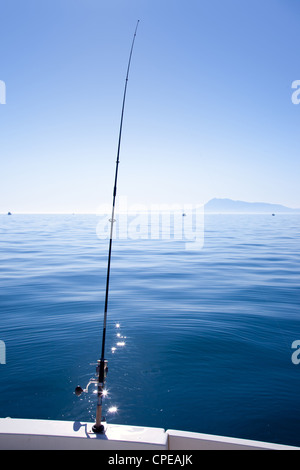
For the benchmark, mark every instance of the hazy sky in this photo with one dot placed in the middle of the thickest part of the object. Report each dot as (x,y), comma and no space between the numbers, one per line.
(208,113)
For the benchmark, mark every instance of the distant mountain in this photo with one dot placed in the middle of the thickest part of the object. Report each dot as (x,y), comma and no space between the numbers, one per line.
(229,206)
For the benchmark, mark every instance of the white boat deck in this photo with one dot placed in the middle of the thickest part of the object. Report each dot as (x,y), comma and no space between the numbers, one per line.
(23,434)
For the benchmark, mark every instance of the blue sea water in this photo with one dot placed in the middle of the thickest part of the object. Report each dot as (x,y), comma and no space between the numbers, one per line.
(208,334)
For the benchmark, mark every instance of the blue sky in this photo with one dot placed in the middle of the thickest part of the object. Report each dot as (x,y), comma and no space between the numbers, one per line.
(208,114)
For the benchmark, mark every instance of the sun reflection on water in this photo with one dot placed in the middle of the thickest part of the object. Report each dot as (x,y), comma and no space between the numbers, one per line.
(112,409)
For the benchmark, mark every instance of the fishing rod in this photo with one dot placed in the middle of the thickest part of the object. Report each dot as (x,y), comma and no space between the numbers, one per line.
(102,369)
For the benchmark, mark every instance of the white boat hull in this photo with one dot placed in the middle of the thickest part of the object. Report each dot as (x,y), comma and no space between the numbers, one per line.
(27,434)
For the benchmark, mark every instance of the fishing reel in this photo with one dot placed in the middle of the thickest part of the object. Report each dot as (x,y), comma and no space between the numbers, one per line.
(99,379)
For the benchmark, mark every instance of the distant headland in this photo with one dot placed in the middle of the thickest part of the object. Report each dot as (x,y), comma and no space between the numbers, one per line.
(229,206)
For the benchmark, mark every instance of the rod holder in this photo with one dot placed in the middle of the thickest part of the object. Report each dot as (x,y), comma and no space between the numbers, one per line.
(99,379)
(98,428)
